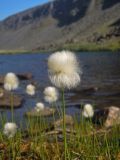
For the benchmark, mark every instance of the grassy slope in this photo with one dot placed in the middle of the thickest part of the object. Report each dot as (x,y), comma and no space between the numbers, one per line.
(107,46)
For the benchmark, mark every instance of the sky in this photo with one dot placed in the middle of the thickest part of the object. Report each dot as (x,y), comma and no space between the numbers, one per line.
(10,7)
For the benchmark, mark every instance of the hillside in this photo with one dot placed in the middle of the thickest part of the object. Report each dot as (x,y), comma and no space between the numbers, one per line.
(63,24)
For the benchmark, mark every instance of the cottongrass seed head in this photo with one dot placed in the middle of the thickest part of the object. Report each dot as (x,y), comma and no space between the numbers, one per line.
(10,129)
(88,111)
(63,69)
(39,107)
(11,81)
(50,94)
(30,89)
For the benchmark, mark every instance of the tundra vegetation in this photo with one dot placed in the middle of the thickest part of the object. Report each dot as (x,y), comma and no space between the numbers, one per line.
(63,138)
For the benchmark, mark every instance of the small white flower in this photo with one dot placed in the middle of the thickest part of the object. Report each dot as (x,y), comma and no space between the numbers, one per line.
(63,69)
(11,81)
(88,111)
(30,89)
(51,94)
(10,129)
(39,107)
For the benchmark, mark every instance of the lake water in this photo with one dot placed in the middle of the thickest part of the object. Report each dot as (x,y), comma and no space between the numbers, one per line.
(100,71)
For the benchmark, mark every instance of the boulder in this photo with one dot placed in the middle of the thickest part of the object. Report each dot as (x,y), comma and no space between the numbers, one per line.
(43,113)
(25,76)
(113,117)
(68,121)
(57,129)
(108,117)
(5,100)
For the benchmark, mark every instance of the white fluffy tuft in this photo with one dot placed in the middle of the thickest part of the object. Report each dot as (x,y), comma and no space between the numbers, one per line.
(63,69)
(51,94)
(10,129)
(88,111)
(39,107)
(11,81)
(30,89)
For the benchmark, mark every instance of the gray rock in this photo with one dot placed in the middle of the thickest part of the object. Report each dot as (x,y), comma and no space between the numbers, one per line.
(113,117)
(68,121)
(5,100)
(44,113)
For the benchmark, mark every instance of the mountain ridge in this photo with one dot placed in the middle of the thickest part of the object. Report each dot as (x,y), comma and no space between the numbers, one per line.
(62,23)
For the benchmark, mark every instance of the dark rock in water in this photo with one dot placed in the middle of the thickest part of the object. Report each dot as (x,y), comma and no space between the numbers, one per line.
(25,76)
(100,116)
(108,117)
(5,100)
(22,76)
(43,113)
(1,80)
(86,91)
(89,90)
